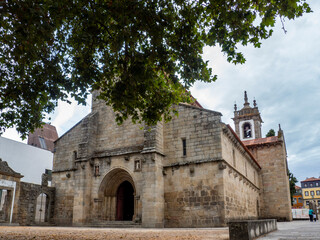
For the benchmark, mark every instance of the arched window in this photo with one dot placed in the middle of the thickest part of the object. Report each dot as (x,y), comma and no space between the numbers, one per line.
(247,130)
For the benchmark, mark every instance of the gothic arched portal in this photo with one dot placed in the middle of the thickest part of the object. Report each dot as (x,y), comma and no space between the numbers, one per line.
(117,191)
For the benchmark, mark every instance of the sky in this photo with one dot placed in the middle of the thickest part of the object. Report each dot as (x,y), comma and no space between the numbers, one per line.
(283,76)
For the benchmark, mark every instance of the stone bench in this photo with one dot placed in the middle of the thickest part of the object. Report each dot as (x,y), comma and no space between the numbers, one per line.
(250,229)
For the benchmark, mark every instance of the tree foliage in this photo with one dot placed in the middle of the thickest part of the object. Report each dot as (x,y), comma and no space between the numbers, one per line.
(140,55)
(271,133)
(292,183)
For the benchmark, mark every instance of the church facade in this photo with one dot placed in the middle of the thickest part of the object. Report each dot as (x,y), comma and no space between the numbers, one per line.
(194,171)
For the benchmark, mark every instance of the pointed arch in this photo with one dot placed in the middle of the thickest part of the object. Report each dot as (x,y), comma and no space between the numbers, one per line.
(115,179)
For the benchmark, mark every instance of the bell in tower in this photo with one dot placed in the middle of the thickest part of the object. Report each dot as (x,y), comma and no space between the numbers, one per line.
(247,120)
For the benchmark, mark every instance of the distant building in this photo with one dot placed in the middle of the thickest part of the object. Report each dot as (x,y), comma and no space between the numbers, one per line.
(297,198)
(311,191)
(43,137)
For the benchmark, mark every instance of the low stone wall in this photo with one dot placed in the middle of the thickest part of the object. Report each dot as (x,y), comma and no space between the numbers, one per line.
(250,229)
(28,202)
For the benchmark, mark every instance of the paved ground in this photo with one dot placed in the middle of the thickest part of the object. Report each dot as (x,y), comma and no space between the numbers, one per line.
(68,233)
(296,230)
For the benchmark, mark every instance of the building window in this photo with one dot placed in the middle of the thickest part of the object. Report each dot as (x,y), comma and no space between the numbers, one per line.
(306,185)
(312,193)
(294,201)
(300,200)
(318,192)
(317,184)
(311,184)
(307,202)
(184,147)
(75,155)
(306,193)
(318,202)
(42,143)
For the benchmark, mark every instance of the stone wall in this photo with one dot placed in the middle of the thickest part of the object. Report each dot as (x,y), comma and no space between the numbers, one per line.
(241,196)
(201,130)
(275,189)
(241,182)
(27,202)
(193,182)
(194,195)
(64,182)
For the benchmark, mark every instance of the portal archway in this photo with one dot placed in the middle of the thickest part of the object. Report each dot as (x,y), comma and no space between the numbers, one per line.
(117,194)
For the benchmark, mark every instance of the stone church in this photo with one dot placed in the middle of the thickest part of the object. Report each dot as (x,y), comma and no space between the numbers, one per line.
(194,171)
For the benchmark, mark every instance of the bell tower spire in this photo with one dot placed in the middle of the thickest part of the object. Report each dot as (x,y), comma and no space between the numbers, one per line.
(246,103)
(248,120)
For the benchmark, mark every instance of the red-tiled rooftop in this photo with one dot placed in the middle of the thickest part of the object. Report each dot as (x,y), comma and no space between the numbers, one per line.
(311,179)
(259,141)
(297,187)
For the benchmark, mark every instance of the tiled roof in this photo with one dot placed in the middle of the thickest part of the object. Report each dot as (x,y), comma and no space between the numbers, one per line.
(297,187)
(260,141)
(311,179)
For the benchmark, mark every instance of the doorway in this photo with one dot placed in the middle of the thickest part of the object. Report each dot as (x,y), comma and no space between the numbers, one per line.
(41,208)
(125,202)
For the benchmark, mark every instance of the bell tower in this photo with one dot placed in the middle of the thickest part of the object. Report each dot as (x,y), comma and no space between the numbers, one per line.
(247,121)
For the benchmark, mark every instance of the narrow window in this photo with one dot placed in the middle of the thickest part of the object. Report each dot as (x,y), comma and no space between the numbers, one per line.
(307,202)
(312,193)
(311,184)
(184,147)
(75,155)
(317,184)
(306,193)
(42,143)
(318,192)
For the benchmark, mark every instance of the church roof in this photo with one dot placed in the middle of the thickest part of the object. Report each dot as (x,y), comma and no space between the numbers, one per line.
(261,141)
(6,170)
(311,179)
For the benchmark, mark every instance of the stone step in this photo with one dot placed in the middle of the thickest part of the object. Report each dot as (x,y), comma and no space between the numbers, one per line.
(115,224)
(8,224)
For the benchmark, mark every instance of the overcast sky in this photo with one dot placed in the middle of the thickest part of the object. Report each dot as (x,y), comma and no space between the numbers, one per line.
(283,76)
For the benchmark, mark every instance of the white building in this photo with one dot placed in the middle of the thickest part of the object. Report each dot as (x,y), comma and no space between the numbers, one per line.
(25,159)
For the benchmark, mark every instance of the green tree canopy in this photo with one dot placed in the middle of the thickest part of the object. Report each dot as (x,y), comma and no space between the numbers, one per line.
(142,56)
(292,182)
(271,133)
